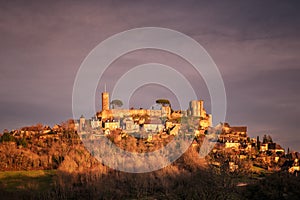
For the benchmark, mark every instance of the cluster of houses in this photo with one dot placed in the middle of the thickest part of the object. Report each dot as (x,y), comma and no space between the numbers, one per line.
(233,140)
(266,154)
(155,120)
(39,132)
(129,125)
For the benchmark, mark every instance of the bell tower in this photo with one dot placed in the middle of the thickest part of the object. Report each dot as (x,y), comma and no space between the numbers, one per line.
(105,100)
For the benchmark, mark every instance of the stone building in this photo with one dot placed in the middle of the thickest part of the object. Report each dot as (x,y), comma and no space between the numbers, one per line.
(108,113)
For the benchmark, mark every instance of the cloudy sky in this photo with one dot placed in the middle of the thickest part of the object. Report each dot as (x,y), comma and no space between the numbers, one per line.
(255,44)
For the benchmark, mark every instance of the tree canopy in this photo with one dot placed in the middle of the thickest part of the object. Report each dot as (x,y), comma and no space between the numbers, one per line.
(116,103)
(7,137)
(163,101)
(267,139)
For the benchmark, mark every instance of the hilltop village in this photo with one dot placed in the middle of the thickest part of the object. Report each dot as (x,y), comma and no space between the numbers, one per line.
(144,130)
(156,126)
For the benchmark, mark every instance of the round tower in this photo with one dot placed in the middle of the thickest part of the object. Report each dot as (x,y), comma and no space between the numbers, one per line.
(196,107)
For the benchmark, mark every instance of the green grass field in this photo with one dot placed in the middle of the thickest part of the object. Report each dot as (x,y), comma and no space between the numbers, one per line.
(37,180)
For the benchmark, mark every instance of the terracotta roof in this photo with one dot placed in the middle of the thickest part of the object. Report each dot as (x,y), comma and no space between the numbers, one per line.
(226,124)
(278,146)
(153,121)
(239,128)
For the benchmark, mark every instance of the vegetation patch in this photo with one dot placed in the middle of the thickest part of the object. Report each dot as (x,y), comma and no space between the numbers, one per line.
(36,180)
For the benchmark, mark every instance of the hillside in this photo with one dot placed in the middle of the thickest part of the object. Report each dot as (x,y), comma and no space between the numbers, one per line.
(76,174)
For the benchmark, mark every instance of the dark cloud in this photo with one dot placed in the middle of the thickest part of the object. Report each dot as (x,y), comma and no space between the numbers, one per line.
(255,45)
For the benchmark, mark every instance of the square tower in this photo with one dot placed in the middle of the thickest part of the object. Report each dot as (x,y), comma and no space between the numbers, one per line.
(105,101)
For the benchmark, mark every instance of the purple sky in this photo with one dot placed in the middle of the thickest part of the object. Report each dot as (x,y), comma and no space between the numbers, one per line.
(255,44)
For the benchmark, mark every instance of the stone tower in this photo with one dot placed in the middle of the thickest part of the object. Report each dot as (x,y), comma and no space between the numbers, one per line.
(105,101)
(81,123)
(196,108)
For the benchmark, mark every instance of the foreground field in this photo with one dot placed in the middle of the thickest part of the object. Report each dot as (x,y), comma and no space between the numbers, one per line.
(37,180)
(186,178)
(172,182)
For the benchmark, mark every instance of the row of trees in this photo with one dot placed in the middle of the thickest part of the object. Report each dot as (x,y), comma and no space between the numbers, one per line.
(118,103)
